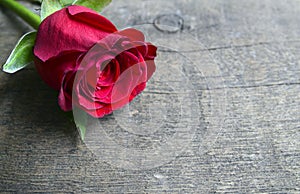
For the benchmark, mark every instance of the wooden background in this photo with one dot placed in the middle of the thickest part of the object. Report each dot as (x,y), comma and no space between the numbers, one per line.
(242,59)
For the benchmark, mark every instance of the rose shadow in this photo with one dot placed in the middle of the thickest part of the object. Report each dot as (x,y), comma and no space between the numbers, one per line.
(36,137)
(32,110)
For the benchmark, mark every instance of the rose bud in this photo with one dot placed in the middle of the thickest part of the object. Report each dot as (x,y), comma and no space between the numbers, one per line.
(93,65)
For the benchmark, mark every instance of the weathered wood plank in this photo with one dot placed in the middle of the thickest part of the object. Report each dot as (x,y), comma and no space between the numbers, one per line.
(240,62)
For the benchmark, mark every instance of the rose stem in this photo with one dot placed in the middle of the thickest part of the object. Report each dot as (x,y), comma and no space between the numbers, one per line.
(31,18)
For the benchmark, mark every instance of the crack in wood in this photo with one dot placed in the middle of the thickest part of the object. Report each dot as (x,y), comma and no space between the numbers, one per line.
(229,46)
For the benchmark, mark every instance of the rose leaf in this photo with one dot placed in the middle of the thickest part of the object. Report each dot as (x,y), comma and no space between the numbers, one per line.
(50,6)
(80,119)
(65,3)
(22,54)
(96,5)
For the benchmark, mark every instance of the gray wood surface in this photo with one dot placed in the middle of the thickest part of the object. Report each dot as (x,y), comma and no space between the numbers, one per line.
(233,67)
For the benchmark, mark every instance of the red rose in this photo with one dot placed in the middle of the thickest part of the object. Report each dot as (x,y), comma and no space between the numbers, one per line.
(77,47)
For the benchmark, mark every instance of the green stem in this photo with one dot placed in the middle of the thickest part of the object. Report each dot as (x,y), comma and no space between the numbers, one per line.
(27,15)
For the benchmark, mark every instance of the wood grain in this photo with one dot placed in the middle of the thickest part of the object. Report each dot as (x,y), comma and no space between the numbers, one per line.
(239,62)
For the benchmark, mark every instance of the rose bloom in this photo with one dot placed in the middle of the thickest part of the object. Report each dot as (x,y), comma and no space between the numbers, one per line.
(93,65)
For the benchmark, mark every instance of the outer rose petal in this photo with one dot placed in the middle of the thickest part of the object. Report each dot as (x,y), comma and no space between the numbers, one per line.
(149,59)
(75,28)
(90,17)
(132,34)
(54,70)
(65,93)
(151,51)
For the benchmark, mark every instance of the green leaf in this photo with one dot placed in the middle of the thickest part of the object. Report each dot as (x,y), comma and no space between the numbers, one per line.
(50,6)
(22,55)
(66,2)
(80,119)
(96,5)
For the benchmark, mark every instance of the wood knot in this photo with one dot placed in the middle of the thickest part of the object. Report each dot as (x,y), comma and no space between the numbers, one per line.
(169,23)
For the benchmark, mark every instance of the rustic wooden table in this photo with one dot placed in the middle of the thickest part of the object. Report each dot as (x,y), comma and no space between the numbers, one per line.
(238,60)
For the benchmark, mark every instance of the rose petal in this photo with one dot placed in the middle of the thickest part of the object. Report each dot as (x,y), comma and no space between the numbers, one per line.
(65,93)
(92,18)
(149,59)
(151,54)
(88,103)
(132,34)
(142,48)
(99,113)
(150,68)
(80,28)
(109,108)
(53,71)
(137,90)
(127,82)
(109,74)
